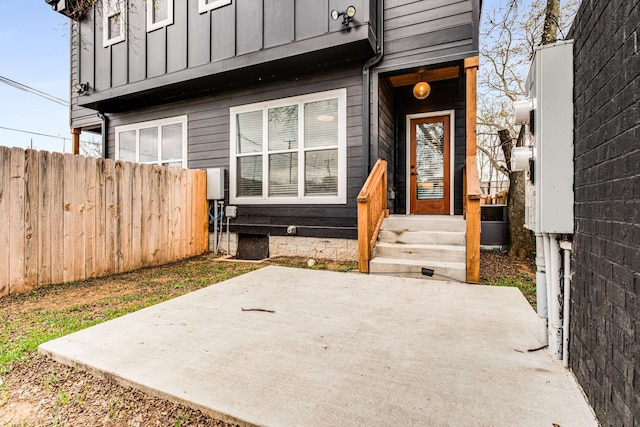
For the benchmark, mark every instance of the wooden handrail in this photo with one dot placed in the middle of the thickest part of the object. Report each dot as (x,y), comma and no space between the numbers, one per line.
(372,210)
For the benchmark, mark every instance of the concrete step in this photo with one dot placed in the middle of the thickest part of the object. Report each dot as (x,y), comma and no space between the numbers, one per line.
(455,238)
(410,268)
(420,252)
(424,223)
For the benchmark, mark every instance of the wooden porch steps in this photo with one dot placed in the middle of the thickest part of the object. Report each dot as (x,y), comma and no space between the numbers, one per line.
(408,243)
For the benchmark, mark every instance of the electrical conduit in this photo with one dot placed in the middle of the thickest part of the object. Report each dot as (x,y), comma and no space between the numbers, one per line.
(566,247)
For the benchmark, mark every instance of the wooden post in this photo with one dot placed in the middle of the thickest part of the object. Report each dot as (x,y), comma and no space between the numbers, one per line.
(471,72)
(75,139)
(364,254)
(473,188)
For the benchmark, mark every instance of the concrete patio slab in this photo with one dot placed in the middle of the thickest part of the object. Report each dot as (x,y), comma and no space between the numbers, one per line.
(338,349)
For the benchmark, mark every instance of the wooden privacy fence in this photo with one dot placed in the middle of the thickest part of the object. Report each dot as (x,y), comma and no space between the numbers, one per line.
(67,218)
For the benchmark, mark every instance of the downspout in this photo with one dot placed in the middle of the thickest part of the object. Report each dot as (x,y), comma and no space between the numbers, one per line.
(105,134)
(366,88)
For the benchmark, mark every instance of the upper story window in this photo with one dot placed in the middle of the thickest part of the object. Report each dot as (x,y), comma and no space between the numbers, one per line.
(159,142)
(205,5)
(159,14)
(113,18)
(290,151)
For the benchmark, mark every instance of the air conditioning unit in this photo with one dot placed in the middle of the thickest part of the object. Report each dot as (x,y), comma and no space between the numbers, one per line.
(548,111)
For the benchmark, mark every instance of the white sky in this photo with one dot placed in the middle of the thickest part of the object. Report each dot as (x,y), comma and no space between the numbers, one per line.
(34,51)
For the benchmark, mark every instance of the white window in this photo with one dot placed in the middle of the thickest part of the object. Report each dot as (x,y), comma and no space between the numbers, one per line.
(113,20)
(159,14)
(290,151)
(205,5)
(159,142)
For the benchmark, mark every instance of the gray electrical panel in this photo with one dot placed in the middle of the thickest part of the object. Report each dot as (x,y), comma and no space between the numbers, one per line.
(215,184)
(549,204)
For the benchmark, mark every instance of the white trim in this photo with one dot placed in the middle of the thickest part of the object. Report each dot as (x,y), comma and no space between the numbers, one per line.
(203,6)
(452,152)
(155,123)
(341,198)
(160,24)
(111,8)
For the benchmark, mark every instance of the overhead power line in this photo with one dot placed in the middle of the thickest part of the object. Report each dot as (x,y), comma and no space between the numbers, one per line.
(39,134)
(29,89)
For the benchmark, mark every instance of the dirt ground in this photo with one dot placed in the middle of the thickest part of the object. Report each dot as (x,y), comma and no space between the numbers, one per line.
(36,391)
(496,265)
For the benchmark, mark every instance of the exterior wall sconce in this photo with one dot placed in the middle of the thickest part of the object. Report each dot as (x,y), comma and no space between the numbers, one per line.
(422,89)
(347,15)
(81,88)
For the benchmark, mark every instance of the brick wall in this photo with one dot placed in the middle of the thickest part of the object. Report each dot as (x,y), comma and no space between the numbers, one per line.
(605,313)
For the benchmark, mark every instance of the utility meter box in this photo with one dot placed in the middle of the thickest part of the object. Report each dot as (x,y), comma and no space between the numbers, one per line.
(215,184)
(549,198)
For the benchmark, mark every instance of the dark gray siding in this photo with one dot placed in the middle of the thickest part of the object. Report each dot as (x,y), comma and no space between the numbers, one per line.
(209,147)
(386,132)
(424,32)
(246,33)
(605,291)
(80,117)
(445,95)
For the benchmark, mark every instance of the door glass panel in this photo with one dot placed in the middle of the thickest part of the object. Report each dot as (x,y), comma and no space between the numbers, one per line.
(430,161)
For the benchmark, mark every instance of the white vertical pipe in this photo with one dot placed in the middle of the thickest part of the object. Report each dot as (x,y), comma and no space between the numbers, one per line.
(215,227)
(228,239)
(566,246)
(541,291)
(220,222)
(555,324)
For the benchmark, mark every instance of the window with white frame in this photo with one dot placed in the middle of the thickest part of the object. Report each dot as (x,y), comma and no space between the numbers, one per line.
(205,5)
(290,151)
(113,20)
(158,142)
(159,14)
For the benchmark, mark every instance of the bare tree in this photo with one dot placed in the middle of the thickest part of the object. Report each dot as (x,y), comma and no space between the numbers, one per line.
(91,147)
(510,33)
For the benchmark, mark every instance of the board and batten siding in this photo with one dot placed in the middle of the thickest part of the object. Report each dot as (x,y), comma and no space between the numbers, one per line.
(80,117)
(208,146)
(386,134)
(425,32)
(242,34)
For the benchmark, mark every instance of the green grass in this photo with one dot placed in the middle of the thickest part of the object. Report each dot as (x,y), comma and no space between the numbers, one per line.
(25,327)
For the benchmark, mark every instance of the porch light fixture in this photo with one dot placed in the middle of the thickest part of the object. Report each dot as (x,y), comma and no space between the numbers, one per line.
(81,88)
(347,15)
(422,89)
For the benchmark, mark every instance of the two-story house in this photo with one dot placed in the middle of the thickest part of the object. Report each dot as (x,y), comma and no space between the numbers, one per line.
(294,99)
